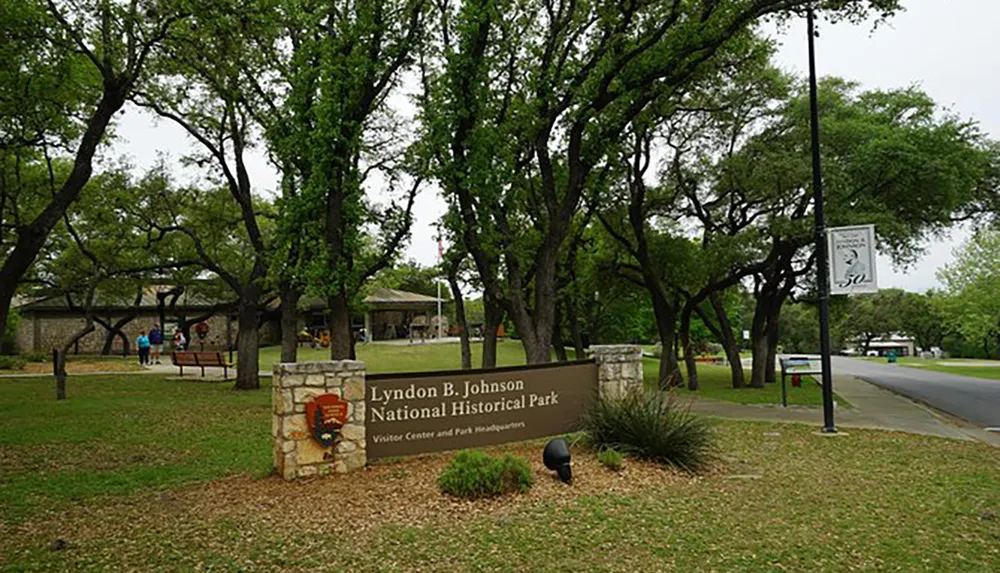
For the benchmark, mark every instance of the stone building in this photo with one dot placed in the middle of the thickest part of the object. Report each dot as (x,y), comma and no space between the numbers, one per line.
(47,322)
(388,314)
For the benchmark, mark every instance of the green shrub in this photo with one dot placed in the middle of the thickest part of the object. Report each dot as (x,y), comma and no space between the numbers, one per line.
(650,425)
(35,356)
(473,474)
(611,459)
(8,337)
(12,363)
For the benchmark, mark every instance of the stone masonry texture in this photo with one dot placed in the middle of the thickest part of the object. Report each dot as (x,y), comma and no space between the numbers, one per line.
(619,368)
(296,453)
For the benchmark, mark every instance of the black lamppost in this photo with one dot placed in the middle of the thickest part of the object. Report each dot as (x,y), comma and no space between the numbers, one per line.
(822,276)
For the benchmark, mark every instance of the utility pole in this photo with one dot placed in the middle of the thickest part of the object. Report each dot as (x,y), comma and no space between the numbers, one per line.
(822,273)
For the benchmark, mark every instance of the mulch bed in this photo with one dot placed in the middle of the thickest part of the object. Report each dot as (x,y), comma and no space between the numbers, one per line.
(402,492)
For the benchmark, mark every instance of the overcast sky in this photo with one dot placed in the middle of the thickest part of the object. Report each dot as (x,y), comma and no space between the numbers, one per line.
(947,47)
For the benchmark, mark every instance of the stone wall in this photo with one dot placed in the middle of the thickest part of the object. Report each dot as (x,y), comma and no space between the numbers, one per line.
(619,368)
(43,331)
(296,453)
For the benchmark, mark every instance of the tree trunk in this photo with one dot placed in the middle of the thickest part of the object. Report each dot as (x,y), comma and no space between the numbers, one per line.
(758,373)
(247,340)
(770,376)
(59,370)
(33,237)
(461,322)
(116,327)
(725,336)
(114,330)
(536,345)
(59,354)
(109,340)
(492,317)
(759,345)
(572,314)
(290,324)
(340,327)
(665,313)
(535,325)
(689,361)
(557,341)
(868,342)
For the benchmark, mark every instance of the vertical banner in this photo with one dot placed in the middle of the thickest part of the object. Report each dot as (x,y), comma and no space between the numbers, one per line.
(852,259)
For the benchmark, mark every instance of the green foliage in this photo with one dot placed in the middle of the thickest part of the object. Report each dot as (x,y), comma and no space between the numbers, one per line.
(650,425)
(412,277)
(871,316)
(799,329)
(9,335)
(12,363)
(473,475)
(922,316)
(971,306)
(332,130)
(611,459)
(35,356)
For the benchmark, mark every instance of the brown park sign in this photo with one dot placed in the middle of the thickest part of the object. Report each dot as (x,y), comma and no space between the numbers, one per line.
(417,413)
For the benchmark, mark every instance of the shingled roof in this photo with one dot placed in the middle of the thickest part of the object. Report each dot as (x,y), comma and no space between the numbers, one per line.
(187,300)
(392,296)
(379,297)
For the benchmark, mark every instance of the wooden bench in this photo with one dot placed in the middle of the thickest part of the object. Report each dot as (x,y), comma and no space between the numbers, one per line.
(200,359)
(795,366)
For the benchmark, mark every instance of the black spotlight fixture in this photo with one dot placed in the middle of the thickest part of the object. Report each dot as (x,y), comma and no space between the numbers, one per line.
(556,458)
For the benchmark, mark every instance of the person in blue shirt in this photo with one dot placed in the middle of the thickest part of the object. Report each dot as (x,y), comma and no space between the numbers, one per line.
(142,343)
(155,343)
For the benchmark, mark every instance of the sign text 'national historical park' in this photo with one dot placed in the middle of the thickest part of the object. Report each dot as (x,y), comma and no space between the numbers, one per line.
(418,413)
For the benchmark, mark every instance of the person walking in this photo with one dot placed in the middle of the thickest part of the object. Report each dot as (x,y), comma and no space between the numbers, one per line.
(155,343)
(142,344)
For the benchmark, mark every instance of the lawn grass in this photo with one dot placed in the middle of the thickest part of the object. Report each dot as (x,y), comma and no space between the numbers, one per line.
(380,358)
(985,372)
(974,368)
(715,383)
(714,380)
(102,470)
(121,434)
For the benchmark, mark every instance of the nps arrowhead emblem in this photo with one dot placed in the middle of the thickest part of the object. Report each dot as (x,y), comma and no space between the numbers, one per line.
(326,414)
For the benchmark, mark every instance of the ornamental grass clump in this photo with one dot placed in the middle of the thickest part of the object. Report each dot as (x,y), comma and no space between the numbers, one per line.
(611,459)
(473,475)
(650,425)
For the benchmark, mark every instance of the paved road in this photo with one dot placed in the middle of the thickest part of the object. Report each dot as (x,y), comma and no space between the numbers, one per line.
(974,400)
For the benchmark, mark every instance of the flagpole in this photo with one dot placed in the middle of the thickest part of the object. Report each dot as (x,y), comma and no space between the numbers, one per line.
(438,281)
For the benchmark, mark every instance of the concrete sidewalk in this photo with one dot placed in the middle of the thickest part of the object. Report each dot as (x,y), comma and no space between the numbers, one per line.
(870,407)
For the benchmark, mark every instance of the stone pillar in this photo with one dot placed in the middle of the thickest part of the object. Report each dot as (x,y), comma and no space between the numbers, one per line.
(296,453)
(619,368)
